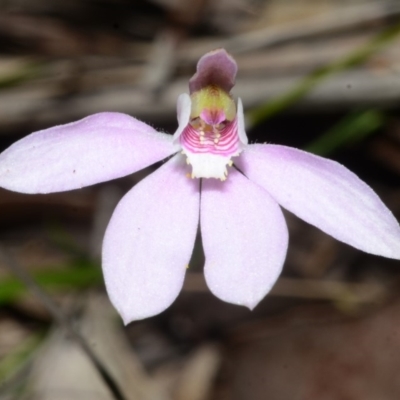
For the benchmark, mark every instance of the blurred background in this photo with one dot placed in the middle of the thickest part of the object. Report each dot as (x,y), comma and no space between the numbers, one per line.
(322,75)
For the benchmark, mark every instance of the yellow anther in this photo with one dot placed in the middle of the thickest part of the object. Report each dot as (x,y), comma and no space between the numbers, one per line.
(213,98)
(230,163)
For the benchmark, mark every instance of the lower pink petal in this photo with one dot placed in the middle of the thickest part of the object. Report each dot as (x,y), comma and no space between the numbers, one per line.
(325,194)
(98,148)
(244,237)
(149,241)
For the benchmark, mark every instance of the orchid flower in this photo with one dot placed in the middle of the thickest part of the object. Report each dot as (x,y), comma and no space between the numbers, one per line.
(214,178)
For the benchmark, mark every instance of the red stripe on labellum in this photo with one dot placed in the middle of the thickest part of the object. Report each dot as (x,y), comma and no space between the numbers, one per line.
(223,141)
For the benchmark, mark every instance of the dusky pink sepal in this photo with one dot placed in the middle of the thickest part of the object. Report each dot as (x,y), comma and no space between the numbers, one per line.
(216,67)
(324,193)
(149,241)
(245,239)
(98,148)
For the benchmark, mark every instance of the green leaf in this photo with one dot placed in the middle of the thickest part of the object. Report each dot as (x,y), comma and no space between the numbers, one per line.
(352,128)
(359,56)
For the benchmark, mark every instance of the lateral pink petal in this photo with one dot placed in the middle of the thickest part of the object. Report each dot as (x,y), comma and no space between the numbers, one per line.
(244,237)
(95,149)
(325,194)
(149,241)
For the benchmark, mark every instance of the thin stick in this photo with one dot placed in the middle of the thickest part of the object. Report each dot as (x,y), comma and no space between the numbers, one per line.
(61,319)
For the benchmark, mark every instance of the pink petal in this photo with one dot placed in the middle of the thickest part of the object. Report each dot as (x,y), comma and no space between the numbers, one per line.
(216,67)
(245,239)
(149,241)
(97,148)
(325,194)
